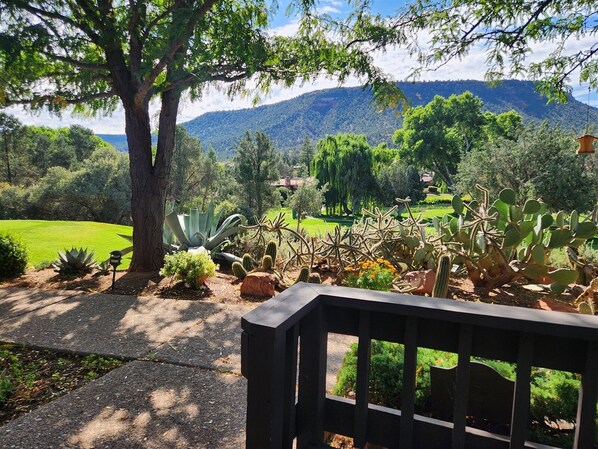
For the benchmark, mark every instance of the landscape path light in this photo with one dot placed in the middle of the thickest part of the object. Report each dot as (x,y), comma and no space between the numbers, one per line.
(115,261)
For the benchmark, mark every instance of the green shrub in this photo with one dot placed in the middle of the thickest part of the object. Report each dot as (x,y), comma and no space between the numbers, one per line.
(554,394)
(13,256)
(191,268)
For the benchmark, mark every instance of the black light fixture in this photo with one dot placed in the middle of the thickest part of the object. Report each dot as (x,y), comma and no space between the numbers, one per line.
(115,261)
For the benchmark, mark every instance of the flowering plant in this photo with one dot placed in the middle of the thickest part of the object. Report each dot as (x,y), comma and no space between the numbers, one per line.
(371,275)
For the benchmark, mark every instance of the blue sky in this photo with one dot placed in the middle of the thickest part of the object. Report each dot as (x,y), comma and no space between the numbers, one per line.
(395,62)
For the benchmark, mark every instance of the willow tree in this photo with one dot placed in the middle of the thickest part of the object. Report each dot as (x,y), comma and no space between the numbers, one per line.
(94,55)
(344,163)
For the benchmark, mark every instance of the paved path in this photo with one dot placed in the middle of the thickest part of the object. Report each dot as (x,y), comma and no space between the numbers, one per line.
(181,389)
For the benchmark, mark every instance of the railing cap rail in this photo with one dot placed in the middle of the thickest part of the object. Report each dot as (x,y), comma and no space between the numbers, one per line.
(283,311)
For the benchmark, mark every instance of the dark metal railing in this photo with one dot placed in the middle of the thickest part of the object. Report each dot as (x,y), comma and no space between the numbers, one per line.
(284,343)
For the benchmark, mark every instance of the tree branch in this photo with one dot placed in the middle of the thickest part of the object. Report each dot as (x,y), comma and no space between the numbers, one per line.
(80,64)
(175,45)
(56,98)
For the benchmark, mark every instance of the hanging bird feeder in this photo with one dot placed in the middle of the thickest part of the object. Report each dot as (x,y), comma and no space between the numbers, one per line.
(586,142)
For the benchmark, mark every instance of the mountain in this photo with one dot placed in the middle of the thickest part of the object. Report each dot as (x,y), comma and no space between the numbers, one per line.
(118,141)
(350,109)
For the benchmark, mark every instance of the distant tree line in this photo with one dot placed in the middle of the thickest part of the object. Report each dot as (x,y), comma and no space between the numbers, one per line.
(71,174)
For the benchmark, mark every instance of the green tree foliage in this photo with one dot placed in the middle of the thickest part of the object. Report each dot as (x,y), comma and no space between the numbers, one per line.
(255,170)
(307,200)
(382,156)
(96,56)
(509,31)
(344,163)
(50,182)
(540,163)
(436,136)
(399,180)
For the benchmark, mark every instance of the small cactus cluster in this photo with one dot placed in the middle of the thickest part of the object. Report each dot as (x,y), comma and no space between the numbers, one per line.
(443,272)
(241,269)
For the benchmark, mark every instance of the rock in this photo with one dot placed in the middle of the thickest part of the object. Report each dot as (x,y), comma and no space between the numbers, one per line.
(421,281)
(554,305)
(259,284)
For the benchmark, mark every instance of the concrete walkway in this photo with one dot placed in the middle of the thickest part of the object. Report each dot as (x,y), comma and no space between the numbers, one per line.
(181,389)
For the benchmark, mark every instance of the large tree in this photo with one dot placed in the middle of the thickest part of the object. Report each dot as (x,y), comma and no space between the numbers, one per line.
(256,168)
(95,55)
(344,163)
(435,136)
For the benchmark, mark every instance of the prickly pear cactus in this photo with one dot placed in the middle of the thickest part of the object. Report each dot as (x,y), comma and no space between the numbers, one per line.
(502,241)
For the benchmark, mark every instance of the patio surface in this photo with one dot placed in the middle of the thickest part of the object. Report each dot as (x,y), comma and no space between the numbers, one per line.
(181,388)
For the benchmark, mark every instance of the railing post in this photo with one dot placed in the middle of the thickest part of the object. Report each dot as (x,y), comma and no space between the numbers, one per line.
(462,387)
(265,389)
(585,430)
(312,379)
(409,374)
(362,381)
(521,401)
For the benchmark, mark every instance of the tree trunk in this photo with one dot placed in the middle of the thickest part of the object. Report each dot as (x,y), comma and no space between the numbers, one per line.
(149,179)
(6,155)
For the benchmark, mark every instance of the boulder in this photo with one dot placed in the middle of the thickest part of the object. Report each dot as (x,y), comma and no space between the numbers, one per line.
(259,284)
(421,281)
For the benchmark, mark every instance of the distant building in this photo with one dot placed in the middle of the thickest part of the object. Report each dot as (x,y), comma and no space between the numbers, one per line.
(292,183)
(427,178)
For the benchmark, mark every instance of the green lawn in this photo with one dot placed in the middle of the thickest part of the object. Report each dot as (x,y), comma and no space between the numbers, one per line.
(45,238)
(319,226)
(316,227)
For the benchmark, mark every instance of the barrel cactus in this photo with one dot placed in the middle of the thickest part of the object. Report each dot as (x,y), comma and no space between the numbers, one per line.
(443,272)
(239,270)
(303,275)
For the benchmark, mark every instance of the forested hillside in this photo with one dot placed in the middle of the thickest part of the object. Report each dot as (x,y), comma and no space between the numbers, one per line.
(332,111)
(350,109)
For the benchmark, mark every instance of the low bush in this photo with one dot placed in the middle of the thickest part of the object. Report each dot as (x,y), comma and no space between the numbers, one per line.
(554,394)
(191,268)
(13,256)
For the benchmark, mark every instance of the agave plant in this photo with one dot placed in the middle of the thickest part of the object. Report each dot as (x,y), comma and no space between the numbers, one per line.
(201,228)
(74,261)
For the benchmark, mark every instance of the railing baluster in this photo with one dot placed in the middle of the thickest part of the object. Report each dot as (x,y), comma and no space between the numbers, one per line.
(409,371)
(290,385)
(363,380)
(585,430)
(521,400)
(462,387)
(312,380)
(265,388)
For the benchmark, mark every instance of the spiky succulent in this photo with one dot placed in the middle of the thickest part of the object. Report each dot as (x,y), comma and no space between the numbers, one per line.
(74,261)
